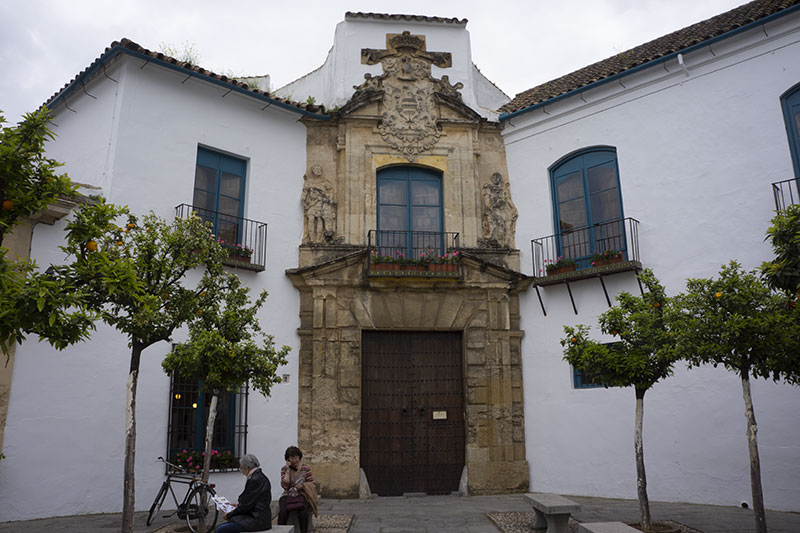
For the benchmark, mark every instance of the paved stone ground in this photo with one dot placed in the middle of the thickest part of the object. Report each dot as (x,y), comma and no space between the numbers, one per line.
(451,514)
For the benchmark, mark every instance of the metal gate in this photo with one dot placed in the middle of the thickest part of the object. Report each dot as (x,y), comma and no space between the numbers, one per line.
(412,412)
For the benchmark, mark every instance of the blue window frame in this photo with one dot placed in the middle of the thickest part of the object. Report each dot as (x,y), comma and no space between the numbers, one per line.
(584,380)
(219,185)
(189,405)
(587,205)
(790,102)
(409,211)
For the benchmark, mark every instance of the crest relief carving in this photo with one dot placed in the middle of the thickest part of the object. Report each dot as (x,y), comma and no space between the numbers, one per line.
(409,121)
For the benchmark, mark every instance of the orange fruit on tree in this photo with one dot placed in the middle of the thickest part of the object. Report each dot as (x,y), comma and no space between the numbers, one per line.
(8,205)
(120,243)
(91,246)
(718,295)
(131,226)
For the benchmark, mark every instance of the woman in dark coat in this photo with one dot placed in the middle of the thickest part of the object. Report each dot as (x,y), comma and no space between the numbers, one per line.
(252,513)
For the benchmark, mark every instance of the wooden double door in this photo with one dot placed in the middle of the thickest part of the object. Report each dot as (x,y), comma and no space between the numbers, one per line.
(412,412)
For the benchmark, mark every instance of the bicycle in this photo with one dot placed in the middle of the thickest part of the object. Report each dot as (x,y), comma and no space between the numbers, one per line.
(197,503)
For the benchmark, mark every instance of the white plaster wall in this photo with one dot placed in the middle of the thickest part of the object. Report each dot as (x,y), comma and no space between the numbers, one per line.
(84,129)
(332,83)
(65,431)
(697,155)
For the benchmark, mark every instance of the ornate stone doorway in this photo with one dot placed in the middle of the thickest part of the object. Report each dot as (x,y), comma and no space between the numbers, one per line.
(412,412)
(338,303)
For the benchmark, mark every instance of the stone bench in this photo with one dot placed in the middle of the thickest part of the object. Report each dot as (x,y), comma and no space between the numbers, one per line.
(552,511)
(606,527)
(294,521)
(278,529)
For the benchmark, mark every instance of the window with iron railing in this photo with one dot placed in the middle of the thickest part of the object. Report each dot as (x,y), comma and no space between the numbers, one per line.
(189,406)
(587,204)
(219,185)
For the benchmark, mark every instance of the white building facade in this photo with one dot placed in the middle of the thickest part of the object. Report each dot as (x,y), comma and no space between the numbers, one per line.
(676,155)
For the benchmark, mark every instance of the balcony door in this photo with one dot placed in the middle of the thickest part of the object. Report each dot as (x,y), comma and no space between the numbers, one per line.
(218,193)
(588,205)
(791,113)
(409,211)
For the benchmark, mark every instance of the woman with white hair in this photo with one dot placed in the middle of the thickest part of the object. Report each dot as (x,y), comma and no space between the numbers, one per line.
(252,512)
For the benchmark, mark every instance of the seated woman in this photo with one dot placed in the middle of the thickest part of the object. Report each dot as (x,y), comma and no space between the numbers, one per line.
(293,476)
(252,512)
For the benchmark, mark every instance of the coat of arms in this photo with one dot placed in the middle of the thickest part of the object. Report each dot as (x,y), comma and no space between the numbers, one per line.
(409,121)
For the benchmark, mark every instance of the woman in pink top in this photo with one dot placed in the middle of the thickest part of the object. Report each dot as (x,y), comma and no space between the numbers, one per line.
(293,476)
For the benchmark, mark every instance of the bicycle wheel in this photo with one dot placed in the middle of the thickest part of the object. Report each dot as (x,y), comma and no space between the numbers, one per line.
(162,494)
(196,511)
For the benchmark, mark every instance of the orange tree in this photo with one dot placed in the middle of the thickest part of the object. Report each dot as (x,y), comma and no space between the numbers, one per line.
(738,322)
(32,301)
(226,348)
(783,272)
(155,255)
(644,355)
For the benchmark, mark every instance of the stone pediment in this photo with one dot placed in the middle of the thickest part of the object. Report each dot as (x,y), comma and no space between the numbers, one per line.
(351,270)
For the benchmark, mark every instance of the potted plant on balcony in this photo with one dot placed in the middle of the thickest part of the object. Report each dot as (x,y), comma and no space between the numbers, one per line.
(560,265)
(607,257)
(434,262)
(236,251)
(383,262)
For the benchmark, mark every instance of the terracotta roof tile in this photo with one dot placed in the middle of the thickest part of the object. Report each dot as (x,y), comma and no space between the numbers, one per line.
(663,46)
(130,45)
(404,18)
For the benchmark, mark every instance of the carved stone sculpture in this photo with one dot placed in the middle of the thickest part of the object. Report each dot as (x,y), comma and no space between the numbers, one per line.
(319,207)
(499,214)
(409,119)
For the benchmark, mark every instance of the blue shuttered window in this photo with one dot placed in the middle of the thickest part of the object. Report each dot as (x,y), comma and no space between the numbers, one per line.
(410,210)
(790,102)
(587,205)
(219,186)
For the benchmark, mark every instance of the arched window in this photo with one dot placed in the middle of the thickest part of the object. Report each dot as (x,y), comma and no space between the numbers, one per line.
(409,211)
(587,204)
(790,102)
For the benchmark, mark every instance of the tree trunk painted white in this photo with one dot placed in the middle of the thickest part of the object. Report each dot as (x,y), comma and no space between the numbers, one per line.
(641,478)
(755,463)
(128,485)
(212,417)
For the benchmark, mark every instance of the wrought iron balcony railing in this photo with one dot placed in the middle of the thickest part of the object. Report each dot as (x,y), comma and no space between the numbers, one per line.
(580,244)
(233,231)
(413,253)
(786,193)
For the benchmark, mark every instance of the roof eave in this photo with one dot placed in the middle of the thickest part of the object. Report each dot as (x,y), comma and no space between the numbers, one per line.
(112,52)
(651,63)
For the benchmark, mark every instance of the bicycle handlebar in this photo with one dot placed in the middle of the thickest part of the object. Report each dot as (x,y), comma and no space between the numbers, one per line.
(185,472)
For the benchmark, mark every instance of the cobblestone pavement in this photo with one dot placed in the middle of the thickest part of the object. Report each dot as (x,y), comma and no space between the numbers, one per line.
(451,514)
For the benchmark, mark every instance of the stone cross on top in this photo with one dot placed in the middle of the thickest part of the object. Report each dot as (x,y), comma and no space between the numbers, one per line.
(405,56)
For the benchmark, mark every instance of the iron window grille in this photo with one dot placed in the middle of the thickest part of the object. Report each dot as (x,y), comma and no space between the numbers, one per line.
(188,414)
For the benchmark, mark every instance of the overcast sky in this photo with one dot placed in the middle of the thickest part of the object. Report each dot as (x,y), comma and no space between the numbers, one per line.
(516,44)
